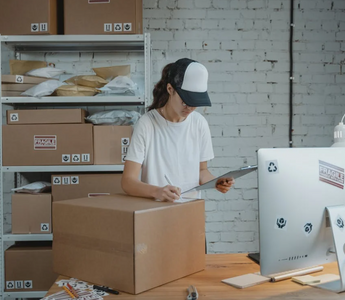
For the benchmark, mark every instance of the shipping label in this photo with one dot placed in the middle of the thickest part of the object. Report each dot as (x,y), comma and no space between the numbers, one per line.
(45,142)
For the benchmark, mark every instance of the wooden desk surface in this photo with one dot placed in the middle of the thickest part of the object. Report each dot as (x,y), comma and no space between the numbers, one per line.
(222,266)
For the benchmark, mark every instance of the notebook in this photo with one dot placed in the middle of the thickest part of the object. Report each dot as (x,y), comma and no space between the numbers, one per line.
(246,280)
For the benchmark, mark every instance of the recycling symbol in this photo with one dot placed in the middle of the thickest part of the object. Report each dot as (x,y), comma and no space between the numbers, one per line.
(76,158)
(44,227)
(14,117)
(117,27)
(281,223)
(272,167)
(19,79)
(56,180)
(10,285)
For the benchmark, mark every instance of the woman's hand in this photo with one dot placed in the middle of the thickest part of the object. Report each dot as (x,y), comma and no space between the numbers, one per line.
(168,193)
(223,185)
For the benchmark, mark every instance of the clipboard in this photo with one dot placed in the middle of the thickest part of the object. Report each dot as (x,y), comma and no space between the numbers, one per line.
(234,174)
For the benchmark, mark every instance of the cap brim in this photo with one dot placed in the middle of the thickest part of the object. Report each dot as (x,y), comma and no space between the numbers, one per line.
(194,99)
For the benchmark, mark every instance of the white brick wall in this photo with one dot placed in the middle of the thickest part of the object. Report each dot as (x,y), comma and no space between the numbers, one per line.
(244,45)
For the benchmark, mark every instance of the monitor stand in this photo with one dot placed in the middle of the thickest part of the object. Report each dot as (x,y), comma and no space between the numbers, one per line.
(337,220)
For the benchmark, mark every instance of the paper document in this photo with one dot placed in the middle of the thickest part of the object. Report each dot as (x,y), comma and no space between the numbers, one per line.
(234,174)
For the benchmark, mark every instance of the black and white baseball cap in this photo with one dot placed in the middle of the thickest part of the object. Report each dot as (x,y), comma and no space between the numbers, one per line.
(189,78)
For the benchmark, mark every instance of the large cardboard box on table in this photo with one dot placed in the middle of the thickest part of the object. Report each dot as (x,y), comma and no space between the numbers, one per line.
(46,116)
(31,213)
(103,17)
(128,243)
(46,145)
(29,267)
(72,186)
(19,17)
(111,143)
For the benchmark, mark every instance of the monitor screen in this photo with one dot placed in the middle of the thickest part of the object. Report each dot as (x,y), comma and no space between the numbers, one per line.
(295,185)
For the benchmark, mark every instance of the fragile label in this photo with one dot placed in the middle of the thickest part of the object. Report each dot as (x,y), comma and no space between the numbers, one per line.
(331,174)
(45,142)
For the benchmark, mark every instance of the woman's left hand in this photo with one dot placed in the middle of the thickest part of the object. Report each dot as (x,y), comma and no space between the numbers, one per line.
(223,185)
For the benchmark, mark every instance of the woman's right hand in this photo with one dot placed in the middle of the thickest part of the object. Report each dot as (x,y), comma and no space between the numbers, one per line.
(168,193)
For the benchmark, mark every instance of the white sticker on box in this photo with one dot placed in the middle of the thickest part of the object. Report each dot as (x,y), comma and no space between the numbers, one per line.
(124,149)
(19,79)
(57,180)
(43,26)
(85,157)
(127,26)
(108,27)
(117,26)
(123,158)
(35,27)
(66,158)
(66,180)
(45,142)
(44,227)
(124,141)
(76,158)
(14,117)
(19,284)
(74,179)
(10,285)
(27,284)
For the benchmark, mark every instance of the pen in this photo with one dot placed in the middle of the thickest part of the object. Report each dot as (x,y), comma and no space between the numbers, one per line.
(105,289)
(72,290)
(68,292)
(167,179)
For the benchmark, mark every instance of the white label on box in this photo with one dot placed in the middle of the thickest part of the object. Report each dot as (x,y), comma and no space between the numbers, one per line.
(108,27)
(66,158)
(19,79)
(14,117)
(66,180)
(43,26)
(44,227)
(35,27)
(123,158)
(10,285)
(19,284)
(117,26)
(56,180)
(124,149)
(27,284)
(45,142)
(127,26)
(85,157)
(74,179)
(76,158)
(124,141)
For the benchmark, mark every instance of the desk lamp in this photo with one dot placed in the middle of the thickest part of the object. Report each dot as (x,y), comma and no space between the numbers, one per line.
(339,134)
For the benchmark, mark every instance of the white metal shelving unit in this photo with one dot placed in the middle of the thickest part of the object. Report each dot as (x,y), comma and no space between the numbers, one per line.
(65,43)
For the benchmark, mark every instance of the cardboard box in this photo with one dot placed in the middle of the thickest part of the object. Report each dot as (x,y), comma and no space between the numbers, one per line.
(16,87)
(12,94)
(47,145)
(46,116)
(29,267)
(128,243)
(19,17)
(103,17)
(72,186)
(21,79)
(31,213)
(111,144)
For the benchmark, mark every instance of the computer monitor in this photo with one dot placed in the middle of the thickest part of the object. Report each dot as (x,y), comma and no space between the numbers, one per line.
(295,186)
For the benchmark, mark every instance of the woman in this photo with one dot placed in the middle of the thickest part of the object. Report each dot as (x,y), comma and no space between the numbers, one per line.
(171,143)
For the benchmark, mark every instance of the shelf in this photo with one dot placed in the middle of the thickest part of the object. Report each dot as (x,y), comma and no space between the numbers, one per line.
(70,168)
(74,43)
(76,100)
(38,294)
(27,237)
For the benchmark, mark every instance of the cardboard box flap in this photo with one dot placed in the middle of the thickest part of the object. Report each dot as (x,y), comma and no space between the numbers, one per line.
(153,252)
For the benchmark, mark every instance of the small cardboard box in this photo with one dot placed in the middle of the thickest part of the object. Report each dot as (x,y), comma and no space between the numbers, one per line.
(29,267)
(103,17)
(47,145)
(72,186)
(31,213)
(46,116)
(28,17)
(21,79)
(128,243)
(111,144)
(15,87)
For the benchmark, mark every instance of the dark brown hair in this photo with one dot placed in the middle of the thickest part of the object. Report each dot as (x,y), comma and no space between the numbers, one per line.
(160,93)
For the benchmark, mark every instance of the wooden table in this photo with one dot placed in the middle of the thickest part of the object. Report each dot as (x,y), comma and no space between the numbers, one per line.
(222,266)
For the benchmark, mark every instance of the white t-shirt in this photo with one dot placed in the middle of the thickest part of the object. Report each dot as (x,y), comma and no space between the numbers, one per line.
(171,149)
